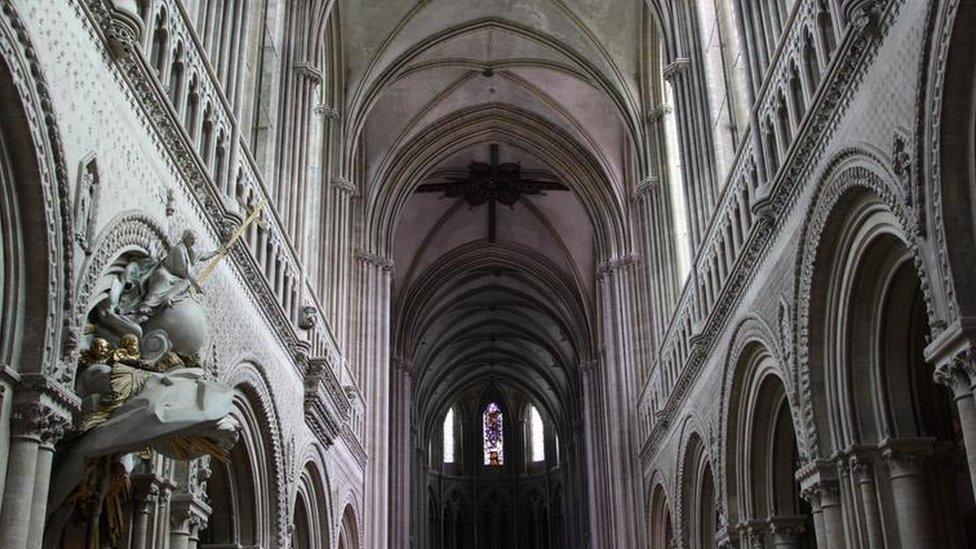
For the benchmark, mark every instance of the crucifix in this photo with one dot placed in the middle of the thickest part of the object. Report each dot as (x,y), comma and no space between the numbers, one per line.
(490,184)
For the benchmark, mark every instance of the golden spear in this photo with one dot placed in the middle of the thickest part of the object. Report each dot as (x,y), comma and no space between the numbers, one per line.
(226,248)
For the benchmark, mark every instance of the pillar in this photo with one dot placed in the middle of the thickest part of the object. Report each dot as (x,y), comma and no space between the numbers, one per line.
(52,428)
(146,491)
(819,487)
(957,375)
(906,469)
(188,514)
(862,474)
(36,424)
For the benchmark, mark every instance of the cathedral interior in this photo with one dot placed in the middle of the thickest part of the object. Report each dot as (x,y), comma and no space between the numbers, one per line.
(487,274)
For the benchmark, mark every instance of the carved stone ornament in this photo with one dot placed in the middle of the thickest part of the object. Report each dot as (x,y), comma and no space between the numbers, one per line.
(308,317)
(86,203)
(139,377)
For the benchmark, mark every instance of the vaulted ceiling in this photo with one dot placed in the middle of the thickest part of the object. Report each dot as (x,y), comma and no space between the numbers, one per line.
(433,85)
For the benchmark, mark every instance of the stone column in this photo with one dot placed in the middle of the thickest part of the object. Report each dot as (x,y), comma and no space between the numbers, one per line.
(862,472)
(188,514)
(53,426)
(36,424)
(958,374)
(913,514)
(819,487)
(146,491)
(374,359)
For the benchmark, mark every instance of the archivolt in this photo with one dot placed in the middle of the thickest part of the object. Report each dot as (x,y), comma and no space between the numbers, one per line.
(250,379)
(26,104)
(851,174)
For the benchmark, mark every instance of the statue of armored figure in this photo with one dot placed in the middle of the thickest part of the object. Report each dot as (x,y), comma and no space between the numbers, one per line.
(139,380)
(146,286)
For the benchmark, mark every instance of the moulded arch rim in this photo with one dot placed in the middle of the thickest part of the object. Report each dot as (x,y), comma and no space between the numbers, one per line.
(61,328)
(495,122)
(850,171)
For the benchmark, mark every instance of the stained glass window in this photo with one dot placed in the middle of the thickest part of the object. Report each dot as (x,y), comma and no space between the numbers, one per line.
(449,437)
(494,436)
(537,435)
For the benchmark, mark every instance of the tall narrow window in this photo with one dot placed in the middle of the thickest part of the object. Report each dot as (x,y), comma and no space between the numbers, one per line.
(537,435)
(494,435)
(449,437)
(677,185)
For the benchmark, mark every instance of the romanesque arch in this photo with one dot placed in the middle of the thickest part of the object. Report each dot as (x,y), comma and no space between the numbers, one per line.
(761,453)
(880,418)
(661,531)
(698,494)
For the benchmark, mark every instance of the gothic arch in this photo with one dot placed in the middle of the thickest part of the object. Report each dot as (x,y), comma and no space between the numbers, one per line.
(349,529)
(371,86)
(35,187)
(386,195)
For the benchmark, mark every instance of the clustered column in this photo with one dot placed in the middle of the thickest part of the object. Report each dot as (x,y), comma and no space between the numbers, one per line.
(37,424)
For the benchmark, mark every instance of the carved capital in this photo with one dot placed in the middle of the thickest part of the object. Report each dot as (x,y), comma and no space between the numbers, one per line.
(679,66)
(39,420)
(818,483)
(344,185)
(308,72)
(188,514)
(906,457)
(958,374)
(329,113)
(375,261)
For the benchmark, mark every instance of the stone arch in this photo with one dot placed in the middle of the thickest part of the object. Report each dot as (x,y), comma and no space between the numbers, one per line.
(865,326)
(349,529)
(36,261)
(259,414)
(661,532)
(311,519)
(698,511)
(760,446)
(855,180)
(944,190)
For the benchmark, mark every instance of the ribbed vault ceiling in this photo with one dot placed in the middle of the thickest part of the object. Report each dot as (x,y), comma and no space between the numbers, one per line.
(433,85)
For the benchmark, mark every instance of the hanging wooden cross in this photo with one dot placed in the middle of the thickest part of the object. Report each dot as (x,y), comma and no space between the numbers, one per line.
(490,184)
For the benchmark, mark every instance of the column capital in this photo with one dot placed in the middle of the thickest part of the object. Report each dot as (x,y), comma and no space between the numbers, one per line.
(906,456)
(818,482)
(188,514)
(952,353)
(308,71)
(344,185)
(787,527)
(680,65)
(40,420)
(374,260)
